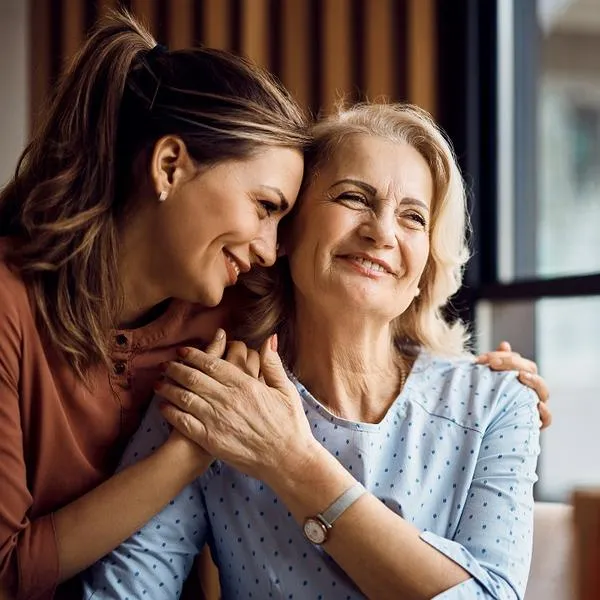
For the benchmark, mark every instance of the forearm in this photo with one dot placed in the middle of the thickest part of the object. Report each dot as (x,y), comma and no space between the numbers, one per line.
(98,522)
(380,551)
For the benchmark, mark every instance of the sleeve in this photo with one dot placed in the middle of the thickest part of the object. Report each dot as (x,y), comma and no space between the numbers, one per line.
(155,561)
(28,551)
(493,540)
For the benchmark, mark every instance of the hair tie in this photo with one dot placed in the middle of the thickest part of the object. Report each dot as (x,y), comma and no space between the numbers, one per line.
(156,52)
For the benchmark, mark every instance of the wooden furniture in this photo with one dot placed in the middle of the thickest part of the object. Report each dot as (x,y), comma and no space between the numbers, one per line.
(587,543)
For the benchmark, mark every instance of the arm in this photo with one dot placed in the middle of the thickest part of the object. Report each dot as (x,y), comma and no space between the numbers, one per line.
(395,559)
(36,555)
(156,560)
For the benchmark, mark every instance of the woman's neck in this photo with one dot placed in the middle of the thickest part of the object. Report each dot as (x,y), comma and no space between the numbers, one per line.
(350,366)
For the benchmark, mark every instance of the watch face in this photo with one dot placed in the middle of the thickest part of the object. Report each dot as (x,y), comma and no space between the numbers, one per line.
(315,531)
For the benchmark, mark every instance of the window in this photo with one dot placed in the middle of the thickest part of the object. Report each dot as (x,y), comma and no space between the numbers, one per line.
(528,136)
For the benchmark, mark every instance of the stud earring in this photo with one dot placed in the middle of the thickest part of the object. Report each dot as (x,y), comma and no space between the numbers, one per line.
(163,196)
(418,291)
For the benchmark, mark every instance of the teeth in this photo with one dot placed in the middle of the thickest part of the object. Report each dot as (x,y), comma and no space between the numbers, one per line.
(235,265)
(369,264)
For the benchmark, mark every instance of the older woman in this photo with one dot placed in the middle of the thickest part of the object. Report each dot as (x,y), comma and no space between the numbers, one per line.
(385,463)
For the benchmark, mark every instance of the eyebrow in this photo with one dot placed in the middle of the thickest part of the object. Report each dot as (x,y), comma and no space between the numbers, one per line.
(373,192)
(284,202)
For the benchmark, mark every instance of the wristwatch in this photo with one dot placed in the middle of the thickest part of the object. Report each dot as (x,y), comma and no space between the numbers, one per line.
(316,529)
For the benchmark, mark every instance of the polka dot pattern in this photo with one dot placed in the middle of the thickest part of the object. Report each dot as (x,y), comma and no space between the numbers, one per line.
(455,455)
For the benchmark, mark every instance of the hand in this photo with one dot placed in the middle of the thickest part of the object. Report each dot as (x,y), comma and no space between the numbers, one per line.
(257,427)
(188,449)
(504,359)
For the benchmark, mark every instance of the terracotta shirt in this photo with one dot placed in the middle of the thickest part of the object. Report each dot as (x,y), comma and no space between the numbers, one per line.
(59,438)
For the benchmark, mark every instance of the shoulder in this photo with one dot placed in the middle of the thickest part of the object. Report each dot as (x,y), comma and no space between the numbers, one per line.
(468,394)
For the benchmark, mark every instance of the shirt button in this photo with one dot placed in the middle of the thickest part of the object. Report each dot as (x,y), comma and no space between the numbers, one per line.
(121,340)
(120,367)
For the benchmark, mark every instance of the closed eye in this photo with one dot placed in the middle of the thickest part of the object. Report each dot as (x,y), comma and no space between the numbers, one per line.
(269,207)
(354,200)
(417,218)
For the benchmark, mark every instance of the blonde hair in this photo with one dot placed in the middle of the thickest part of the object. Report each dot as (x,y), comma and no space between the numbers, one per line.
(270,292)
(70,193)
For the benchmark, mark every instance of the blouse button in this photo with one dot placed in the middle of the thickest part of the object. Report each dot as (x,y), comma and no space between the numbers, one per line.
(120,367)
(121,340)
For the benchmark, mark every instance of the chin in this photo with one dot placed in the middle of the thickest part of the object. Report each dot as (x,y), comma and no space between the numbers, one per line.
(205,296)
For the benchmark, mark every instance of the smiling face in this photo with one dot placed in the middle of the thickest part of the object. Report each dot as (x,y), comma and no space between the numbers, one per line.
(360,239)
(220,222)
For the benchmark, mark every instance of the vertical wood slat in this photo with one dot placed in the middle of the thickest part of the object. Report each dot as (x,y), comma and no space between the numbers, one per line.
(255,31)
(105,5)
(181,25)
(379,55)
(145,11)
(336,52)
(295,39)
(217,29)
(422,50)
(40,63)
(73,30)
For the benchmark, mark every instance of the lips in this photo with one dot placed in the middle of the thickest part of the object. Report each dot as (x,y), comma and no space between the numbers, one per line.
(370,263)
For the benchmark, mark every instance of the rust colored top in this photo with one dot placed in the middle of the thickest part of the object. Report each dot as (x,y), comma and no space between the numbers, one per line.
(58,438)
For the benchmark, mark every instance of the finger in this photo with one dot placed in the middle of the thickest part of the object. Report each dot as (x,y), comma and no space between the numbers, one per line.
(218,345)
(253,364)
(237,354)
(185,400)
(537,383)
(504,346)
(190,378)
(271,365)
(511,362)
(545,415)
(216,368)
(193,429)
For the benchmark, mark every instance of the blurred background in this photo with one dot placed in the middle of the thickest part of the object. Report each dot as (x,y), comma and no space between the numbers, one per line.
(515,83)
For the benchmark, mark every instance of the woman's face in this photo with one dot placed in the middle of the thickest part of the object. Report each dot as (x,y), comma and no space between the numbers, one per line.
(222,221)
(360,239)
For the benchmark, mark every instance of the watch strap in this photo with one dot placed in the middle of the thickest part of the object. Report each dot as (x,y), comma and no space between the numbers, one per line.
(345,501)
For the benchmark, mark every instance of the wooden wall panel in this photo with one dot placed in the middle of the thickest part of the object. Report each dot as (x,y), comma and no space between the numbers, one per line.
(322,50)
(255,31)
(295,52)
(181,25)
(218,28)
(422,50)
(379,50)
(336,57)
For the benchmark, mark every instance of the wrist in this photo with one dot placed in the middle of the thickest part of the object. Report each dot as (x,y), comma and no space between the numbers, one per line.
(185,458)
(309,466)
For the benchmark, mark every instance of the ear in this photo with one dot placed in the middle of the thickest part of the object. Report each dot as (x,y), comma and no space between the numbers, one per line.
(170,164)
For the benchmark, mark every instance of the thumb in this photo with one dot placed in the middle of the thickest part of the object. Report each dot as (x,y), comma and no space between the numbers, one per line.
(218,344)
(504,346)
(271,366)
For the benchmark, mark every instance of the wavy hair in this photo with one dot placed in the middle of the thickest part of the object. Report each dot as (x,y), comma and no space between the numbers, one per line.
(269,292)
(70,190)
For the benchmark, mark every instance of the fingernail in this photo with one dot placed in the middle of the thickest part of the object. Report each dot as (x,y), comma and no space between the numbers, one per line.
(527,374)
(183,351)
(274,342)
(220,334)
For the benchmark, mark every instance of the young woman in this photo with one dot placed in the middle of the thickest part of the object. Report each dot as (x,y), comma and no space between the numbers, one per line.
(384,463)
(155,180)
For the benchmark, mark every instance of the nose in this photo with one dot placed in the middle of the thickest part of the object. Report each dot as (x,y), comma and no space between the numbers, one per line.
(264,247)
(380,228)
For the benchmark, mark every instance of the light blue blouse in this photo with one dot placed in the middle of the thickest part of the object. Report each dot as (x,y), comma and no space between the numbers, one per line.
(455,455)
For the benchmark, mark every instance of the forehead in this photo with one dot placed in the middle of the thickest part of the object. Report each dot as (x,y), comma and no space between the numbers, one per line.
(389,166)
